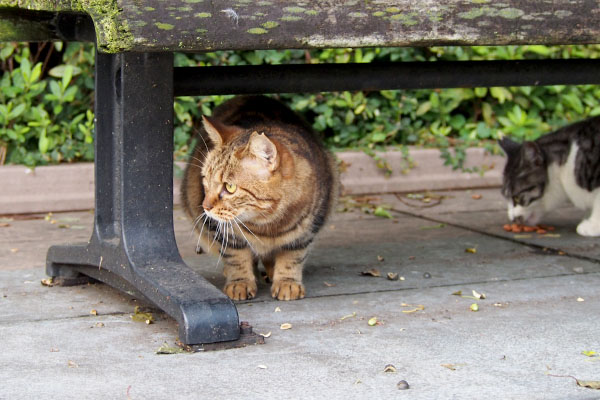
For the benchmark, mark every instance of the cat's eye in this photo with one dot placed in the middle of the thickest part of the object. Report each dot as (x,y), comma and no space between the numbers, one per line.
(230,187)
(516,200)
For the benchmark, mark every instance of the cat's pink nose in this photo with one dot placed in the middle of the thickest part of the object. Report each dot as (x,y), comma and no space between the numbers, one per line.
(207,205)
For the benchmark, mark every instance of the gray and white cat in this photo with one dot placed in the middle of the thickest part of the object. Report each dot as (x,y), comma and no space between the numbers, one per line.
(558,167)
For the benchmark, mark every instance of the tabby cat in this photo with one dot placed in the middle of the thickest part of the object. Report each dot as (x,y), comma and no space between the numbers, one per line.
(260,185)
(560,166)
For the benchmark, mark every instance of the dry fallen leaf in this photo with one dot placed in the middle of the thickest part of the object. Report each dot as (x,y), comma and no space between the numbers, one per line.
(48,282)
(261,366)
(478,295)
(380,258)
(285,326)
(589,384)
(166,349)
(372,321)
(348,316)
(392,276)
(471,250)
(372,272)
(580,299)
(476,197)
(474,307)
(139,316)
(589,353)
(94,312)
(418,307)
(265,335)
(329,284)
(586,384)
(451,367)
(72,364)
(277,309)
(389,368)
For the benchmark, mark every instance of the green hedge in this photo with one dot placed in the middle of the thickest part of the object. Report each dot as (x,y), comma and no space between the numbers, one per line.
(46,101)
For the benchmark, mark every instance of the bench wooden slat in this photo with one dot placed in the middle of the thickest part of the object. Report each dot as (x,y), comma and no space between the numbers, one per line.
(202,25)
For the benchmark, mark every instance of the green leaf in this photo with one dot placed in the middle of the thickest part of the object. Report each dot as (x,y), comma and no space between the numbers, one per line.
(59,70)
(43,144)
(35,73)
(55,89)
(67,75)
(17,111)
(458,121)
(423,108)
(382,212)
(480,91)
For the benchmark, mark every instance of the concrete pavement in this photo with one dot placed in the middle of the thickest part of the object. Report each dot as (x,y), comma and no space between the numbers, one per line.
(539,315)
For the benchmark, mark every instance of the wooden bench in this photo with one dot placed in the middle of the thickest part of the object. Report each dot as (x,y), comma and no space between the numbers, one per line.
(133,246)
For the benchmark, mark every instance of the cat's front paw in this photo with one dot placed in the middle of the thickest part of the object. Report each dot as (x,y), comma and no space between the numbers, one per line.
(287,289)
(241,290)
(588,228)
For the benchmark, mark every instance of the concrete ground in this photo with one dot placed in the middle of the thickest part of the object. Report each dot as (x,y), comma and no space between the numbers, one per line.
(539,317)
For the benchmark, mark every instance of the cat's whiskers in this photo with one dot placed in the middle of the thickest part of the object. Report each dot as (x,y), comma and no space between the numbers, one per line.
(203,141)
(223,243)
(216,234)
(195,165)
(241,222)
(242,232)
(206,217)
(232,232)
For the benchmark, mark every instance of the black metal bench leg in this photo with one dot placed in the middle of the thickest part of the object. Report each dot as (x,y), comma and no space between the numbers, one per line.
(133,245)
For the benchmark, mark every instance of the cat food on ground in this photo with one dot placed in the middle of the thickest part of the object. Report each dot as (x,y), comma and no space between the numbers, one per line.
(518,228)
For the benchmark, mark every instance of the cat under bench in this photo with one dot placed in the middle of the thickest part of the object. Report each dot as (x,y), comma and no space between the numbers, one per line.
(133,246)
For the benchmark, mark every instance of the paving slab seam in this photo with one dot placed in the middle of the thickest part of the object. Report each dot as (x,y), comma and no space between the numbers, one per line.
(547,249)
(65,318)
(323,296)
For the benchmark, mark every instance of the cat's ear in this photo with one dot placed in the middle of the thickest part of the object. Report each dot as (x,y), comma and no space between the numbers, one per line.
(532,154)
(263,149)
(510,147)
(218,132)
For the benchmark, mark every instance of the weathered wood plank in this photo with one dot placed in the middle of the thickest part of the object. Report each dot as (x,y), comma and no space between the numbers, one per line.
(202,25)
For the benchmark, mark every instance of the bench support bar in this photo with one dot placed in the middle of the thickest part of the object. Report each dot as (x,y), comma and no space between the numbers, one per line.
(133,245)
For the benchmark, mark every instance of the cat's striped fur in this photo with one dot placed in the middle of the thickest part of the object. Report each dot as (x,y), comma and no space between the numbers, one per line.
(259,186)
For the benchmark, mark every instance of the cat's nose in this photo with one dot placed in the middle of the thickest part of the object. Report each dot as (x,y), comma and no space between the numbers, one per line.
(207,205)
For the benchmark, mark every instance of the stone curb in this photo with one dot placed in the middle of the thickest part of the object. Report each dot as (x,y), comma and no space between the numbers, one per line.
(70,187)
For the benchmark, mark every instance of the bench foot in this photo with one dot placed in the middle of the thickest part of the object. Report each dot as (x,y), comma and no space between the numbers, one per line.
(204,313)
(133,246)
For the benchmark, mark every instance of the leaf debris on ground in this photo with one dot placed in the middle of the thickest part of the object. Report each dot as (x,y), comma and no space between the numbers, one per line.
(285,326)
(139,316)
(168,349)
(371,272)
(392,276)
(389,368)
(382,212)
(348,316)
(417,307)
(47,282)
(438,226)
(586,384)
